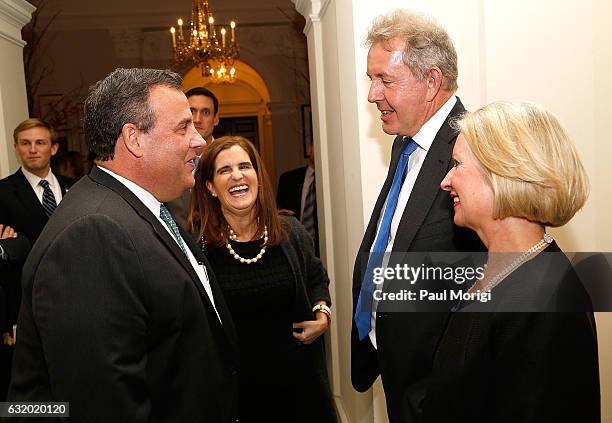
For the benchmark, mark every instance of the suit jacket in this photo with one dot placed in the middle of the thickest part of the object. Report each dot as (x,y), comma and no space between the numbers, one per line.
(406,341)
(497,364)
(16,250)
(289,196)
(21,209)
(115,320)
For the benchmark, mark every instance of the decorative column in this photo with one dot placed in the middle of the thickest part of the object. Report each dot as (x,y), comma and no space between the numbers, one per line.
(14,14)
(333,93)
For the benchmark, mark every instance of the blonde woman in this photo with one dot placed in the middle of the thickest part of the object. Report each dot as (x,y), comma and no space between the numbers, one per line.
(515,172)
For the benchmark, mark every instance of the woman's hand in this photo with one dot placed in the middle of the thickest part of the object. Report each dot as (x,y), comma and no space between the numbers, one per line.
(7,339)
(312,329)
(7,232)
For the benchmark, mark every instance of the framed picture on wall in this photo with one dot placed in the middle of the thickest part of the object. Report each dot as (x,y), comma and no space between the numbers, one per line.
(306,128)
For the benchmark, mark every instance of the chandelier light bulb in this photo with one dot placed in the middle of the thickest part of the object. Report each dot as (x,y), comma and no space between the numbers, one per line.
(204,48)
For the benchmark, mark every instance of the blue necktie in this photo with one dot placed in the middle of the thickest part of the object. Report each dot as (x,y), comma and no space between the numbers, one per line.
(363,311)
(165,215)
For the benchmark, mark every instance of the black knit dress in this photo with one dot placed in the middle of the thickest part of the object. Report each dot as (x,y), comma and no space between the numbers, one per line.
(278,382)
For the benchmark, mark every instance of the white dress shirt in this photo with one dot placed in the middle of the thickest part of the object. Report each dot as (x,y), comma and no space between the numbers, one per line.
(424,138)
(38,190)
(154,206)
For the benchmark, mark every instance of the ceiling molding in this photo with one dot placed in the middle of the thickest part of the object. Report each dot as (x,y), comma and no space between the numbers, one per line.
(160,19)
(14,14)
(312,10)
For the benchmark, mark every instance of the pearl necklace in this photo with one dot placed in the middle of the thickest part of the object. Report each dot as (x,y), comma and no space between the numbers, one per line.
(234,254)
(517,262)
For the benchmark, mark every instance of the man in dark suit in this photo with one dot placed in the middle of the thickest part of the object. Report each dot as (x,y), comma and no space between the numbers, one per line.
(121,314)
(412,66)
(13,250)
(296,196)
(27,199)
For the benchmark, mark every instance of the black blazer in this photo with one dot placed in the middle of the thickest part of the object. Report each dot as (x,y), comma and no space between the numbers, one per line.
(495,366)
(115,320)
(16,250)
(21,209)
(289,196)
(406,341)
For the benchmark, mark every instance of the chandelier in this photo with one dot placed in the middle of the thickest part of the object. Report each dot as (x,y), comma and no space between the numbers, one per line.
(215,57)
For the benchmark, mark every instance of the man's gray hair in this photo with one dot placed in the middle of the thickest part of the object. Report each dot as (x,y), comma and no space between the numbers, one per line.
(426,43)
(122,97)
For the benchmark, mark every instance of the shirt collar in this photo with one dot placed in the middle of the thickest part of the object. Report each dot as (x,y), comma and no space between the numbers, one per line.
(143,195)
(424,138)
(34,180)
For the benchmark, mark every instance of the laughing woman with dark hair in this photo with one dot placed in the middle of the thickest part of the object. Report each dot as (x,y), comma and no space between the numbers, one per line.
(274,285)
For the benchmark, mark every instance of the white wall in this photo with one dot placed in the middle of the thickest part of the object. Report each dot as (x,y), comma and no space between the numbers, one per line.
(556,54)
(13,103)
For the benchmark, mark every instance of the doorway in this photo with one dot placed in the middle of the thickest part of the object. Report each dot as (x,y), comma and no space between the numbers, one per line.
(244,126)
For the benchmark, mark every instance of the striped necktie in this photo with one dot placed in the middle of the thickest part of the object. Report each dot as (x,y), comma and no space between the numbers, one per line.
(48,199)
(309,208)
(171,224)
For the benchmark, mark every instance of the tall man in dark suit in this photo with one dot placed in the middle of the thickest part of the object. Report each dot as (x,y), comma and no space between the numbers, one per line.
(412,65)
(121,314)
(27,199)
(296,196)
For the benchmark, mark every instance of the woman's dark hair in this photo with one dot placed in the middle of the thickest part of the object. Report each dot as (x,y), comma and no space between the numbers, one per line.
(205,215)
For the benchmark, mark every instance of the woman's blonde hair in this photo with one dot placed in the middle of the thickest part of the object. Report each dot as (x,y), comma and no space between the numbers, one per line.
(530,161)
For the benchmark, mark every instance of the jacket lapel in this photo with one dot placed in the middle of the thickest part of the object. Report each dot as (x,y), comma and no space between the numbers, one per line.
(28,198)
(427,184)
(370,232)
(224,314)
(103,178)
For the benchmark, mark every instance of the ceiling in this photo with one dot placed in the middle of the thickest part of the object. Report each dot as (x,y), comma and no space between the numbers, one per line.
(79,14)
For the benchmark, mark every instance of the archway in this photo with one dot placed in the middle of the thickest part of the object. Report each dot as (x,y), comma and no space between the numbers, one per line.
(247,96)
